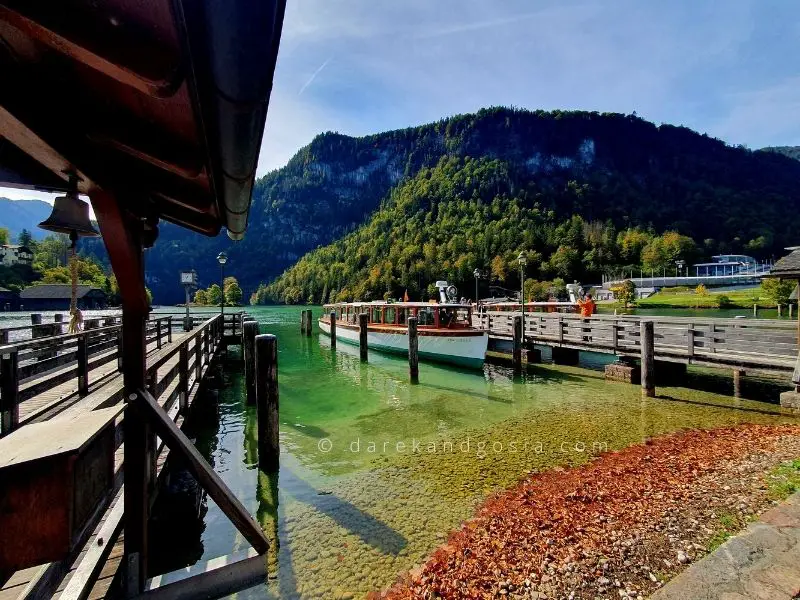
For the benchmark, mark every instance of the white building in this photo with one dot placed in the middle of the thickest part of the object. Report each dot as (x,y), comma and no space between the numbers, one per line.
(12,254)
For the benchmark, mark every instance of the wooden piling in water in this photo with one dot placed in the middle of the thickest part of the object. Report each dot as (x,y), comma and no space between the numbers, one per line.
(517,344)
(362,335)
(779,310)
(36,318)
(413,350)
(738,375)
(303,321)
(309,322)
(333,329)
(266,361)
(755,310)
(249,333)
(58,328)
(647,343)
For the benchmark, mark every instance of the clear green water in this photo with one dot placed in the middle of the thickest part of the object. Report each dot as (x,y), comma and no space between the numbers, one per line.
(352,516)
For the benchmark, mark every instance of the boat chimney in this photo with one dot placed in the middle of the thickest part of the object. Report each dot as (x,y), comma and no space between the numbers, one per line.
(442,287)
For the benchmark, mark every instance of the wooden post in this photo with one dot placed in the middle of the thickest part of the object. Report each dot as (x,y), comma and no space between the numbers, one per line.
(198,356)
(413,350)
(647,343)
(517,347)
(169,329)
(58,328)
(249,333)
(83,365)
(333,329)
(158,334)
(207,343)
(9,393)
(183,377)
(266,360)
(362,335)
(690,341)
(791,306)
(303,318)
(755,310)
(119,349)
(738,374)
(309,322)
(36,318)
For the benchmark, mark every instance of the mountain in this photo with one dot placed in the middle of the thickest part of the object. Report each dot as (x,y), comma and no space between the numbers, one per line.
(790,151)
(603,167)
(24,214)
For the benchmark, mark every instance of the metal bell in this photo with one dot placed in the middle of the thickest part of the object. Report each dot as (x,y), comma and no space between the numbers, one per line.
(70,214)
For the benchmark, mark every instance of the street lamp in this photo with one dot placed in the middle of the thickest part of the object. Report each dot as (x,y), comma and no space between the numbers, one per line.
(477,274)
(222,258)
(523,260)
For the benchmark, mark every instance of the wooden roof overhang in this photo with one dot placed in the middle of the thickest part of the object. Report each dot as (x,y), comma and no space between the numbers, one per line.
(160,102)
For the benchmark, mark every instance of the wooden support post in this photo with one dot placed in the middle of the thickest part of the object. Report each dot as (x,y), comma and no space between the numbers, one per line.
(755,310)
(309,322)
(647,341)
(158,334)
(738,375)
(517,343)
(58,328)
(690,341)
(123,235)
(266,359)
(333,329)
(413,350)
(249,333)
(791,306)
(183,377)
(169,329)
(120,351)
(9,393)
(83,365)
(207,344)
(362,335)
(614,335)
(36,318)
(303,318)
(198,356)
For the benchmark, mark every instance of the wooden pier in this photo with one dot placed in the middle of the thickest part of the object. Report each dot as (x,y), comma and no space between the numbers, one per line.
(756,344)
(78,377)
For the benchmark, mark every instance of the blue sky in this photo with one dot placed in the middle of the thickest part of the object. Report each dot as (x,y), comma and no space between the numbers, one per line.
(729,68)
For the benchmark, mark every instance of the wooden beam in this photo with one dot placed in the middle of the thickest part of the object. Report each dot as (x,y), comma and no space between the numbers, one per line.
(177,441)
(214,582)
(122,235)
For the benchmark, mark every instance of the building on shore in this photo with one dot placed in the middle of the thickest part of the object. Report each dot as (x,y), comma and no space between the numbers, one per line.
(730,264)
(8,300)
(13,254)
(56,296)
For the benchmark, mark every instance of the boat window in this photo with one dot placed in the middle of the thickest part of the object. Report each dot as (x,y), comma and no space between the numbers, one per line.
(401,316)
(376,315)
(425,316)
(389,314)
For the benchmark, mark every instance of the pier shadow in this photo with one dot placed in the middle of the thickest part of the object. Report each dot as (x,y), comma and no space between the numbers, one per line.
(311,431)
(776,412)
(371,531)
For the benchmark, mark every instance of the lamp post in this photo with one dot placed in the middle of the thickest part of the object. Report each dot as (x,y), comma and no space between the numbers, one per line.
(523,260)
(222,258)
(680,264)
(477,274)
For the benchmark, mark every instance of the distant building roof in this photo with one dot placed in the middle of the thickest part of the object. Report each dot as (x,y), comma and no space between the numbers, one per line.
(16,247)
(55,291)
(788,267)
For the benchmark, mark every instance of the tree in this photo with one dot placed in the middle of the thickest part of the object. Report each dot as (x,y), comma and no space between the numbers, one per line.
(778,290)
(25,239)
(214,294)
(498,268)
(625,292)
(4,236)
(233,293)
(200,297)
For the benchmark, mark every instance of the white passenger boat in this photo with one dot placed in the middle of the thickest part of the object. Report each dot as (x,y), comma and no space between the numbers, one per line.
(444,329)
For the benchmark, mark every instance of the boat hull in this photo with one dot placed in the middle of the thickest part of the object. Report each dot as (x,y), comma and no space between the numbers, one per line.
(461,350)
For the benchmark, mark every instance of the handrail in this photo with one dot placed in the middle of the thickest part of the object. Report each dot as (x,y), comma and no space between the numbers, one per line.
(164,358)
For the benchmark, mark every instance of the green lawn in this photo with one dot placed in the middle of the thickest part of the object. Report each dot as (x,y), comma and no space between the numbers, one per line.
(686,298)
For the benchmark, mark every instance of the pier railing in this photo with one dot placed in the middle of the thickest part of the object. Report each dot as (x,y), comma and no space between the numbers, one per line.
(38,366)
(759,343)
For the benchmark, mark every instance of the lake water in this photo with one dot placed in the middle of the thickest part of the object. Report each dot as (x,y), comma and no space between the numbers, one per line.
(375,472)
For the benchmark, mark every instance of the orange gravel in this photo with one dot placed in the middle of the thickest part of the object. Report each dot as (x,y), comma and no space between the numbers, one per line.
(609,528)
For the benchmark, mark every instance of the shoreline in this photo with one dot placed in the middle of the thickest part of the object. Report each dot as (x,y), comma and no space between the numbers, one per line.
(619,526)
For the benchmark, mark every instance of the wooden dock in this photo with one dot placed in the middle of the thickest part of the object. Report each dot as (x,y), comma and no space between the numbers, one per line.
(61,379)
(756,344)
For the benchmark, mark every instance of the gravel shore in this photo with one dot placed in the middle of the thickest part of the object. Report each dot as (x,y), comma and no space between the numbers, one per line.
(618,527)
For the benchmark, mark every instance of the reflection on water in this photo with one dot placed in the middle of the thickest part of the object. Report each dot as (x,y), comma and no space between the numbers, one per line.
(375,471)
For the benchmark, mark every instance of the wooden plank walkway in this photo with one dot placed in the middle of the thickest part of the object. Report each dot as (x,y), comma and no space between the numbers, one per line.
(760,344)
(91,573)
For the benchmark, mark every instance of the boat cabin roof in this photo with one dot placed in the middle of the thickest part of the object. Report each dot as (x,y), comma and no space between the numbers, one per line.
(375,303)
